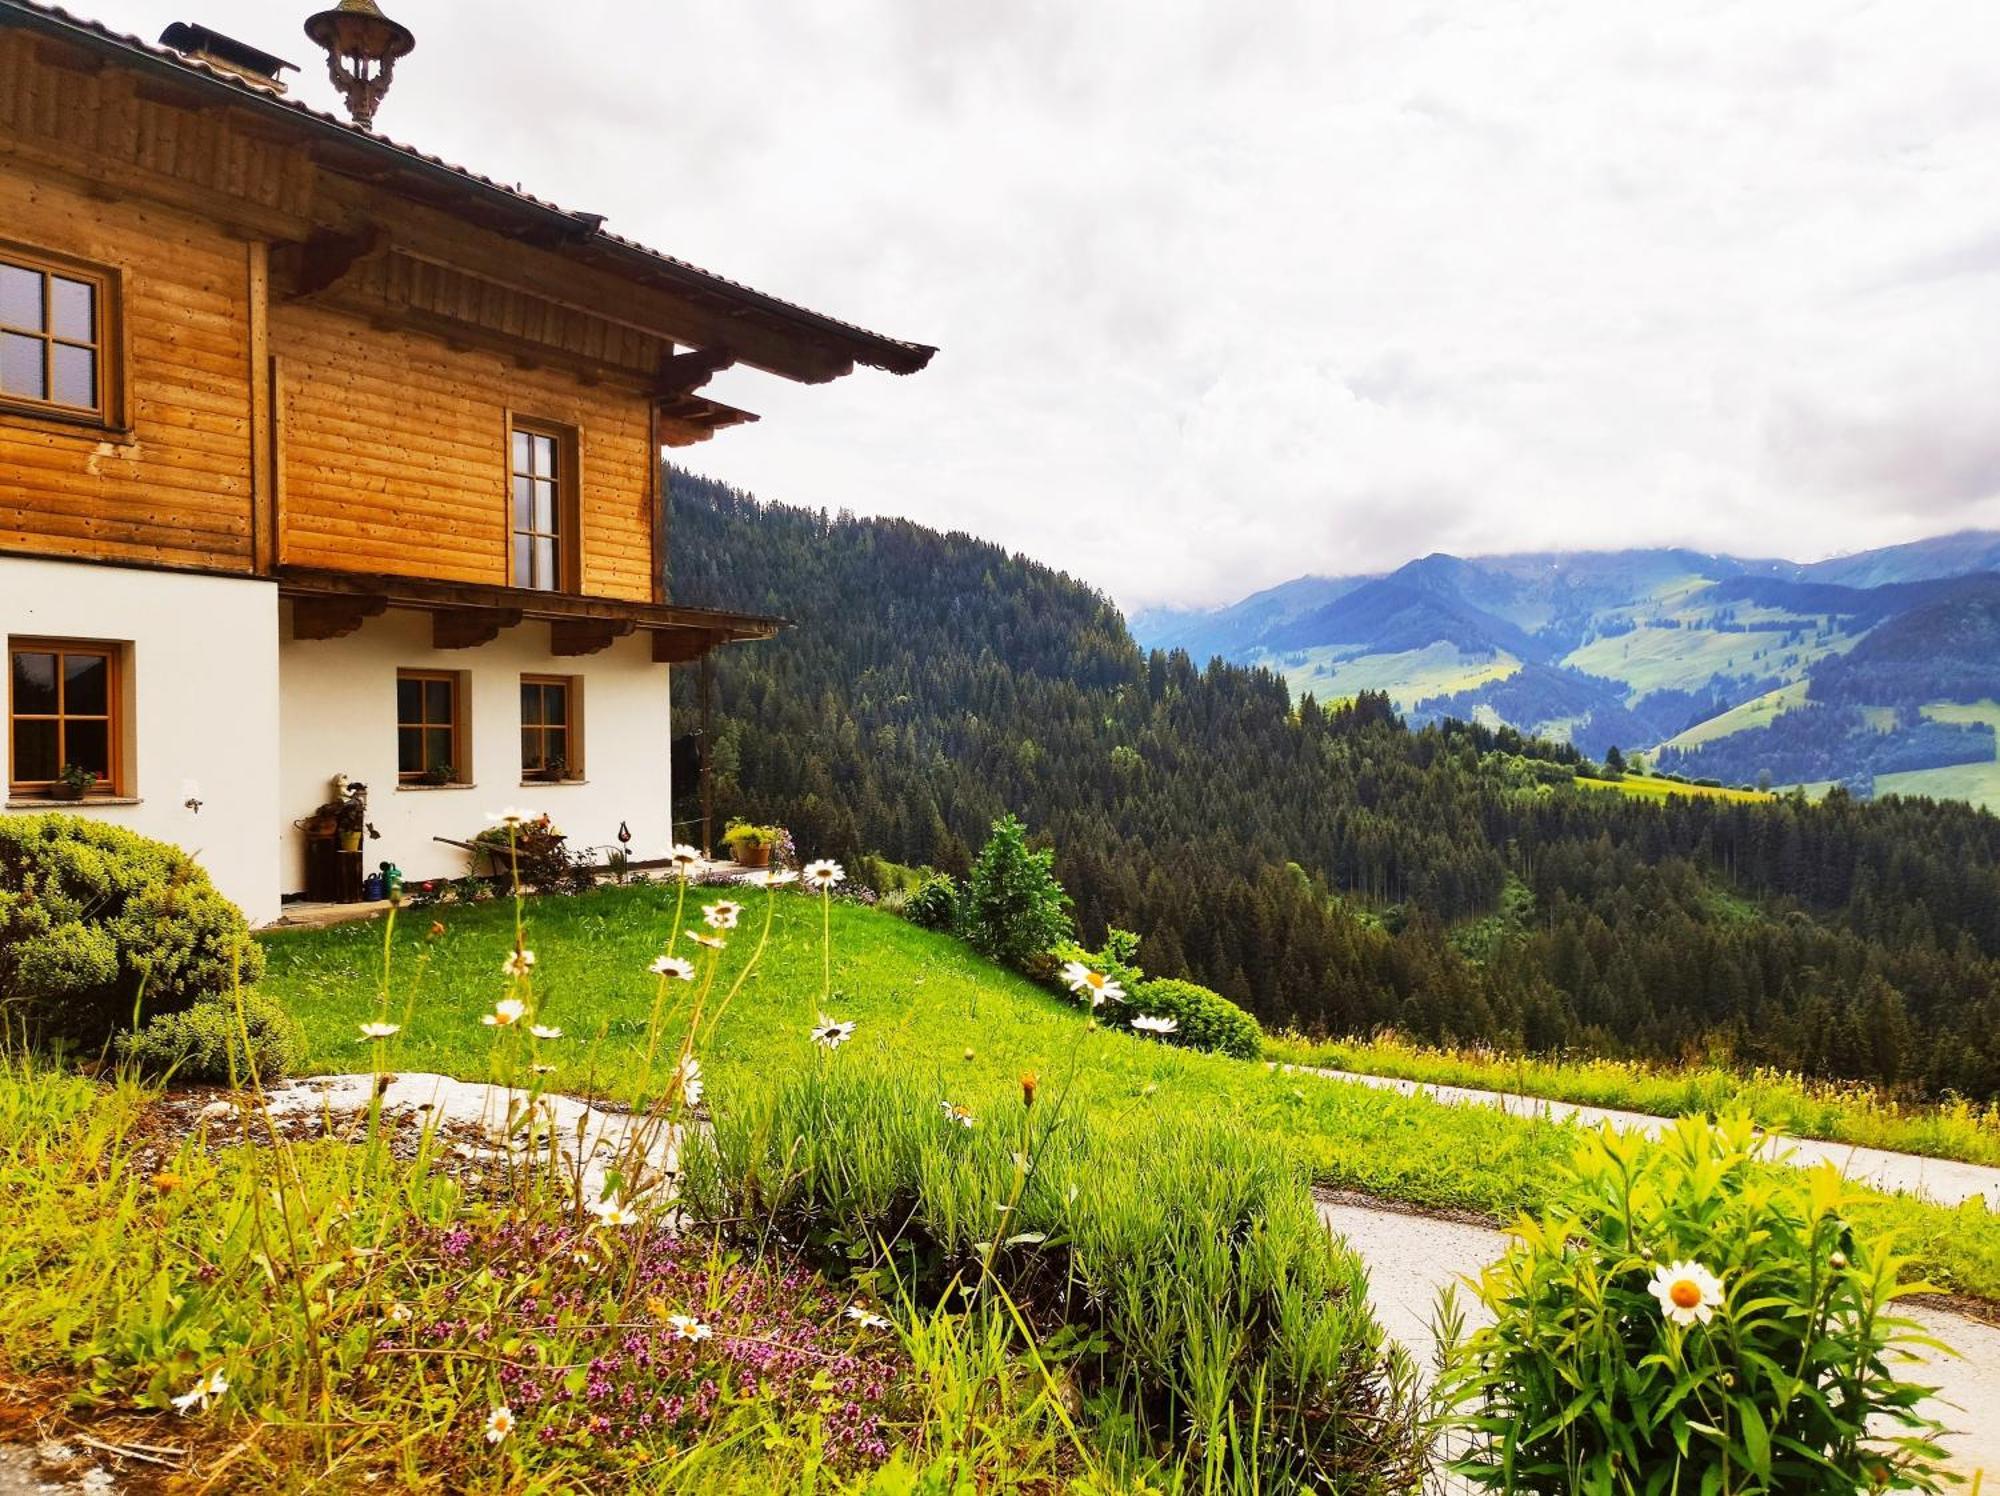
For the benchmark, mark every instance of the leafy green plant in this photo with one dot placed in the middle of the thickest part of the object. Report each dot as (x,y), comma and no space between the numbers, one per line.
(742,834)
(933,903)
(93,915)
(1014,909)
(1684,1319)
(205,1043)
(1203,1019)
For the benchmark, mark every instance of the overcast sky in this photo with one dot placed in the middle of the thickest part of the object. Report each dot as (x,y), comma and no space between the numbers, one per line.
(1231,291)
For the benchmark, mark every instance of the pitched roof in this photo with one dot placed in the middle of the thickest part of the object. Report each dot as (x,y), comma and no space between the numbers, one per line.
(577,232)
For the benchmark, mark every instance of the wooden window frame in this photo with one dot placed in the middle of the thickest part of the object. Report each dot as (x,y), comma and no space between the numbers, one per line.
(112,786)
(571,729)
(109,345)
(569,507)
(459,735)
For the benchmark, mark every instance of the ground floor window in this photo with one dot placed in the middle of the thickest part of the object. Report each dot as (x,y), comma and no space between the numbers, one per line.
(430,727)
(62,717)
(551,729)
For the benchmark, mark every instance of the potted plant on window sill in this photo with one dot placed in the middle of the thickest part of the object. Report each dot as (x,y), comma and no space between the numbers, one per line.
(74,783)
(751,846)
(551,771)
(437,776)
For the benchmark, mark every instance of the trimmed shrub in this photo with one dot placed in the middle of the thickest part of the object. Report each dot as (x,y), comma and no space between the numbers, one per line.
(1208,1020)
(1014,909)
(933,903)
(93,916)
(205,1043)
(1690,1315)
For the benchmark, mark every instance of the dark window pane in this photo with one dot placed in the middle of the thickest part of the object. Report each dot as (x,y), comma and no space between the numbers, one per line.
(524,503)
(437,701)
(557,707)
(88,745)
(21,366)
(21,297)
(75,376)
(437,747)
(521,458)
(73,309)
(86,685)
(555,748)
(531,703)
(35,752)
(409,750)
(545,508)
(524,561)
(409,701)
(531,750)
(545,565)
(34,683)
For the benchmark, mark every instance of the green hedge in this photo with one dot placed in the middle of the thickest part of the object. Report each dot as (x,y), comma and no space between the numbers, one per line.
(205,1042)
(1208,1020)
(93,916)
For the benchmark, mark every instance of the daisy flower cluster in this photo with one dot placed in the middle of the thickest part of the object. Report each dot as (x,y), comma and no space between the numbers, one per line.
(1098,989)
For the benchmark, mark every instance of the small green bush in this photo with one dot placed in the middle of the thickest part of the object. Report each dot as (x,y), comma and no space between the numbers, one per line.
(933,903)
(1588,1380)
(205,1043)
(1014,909)
(1208,1020)
(92,915)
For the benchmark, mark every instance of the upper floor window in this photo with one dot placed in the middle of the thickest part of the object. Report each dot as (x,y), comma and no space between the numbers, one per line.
(55,347)
(62,716)
(543,461)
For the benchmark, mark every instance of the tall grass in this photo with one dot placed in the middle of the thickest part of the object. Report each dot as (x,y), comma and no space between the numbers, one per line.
(1806,1107)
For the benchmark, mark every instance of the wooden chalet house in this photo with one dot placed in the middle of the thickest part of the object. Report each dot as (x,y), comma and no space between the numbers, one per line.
(321,456)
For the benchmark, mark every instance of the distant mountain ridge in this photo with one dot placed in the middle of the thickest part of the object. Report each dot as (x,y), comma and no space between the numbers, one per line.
(1694,654)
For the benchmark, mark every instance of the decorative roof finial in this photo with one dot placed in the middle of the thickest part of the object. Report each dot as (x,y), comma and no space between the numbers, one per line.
(362,46)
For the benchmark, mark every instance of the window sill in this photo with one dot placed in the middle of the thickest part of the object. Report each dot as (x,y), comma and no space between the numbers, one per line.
(426,789)
(61,422)
(49,802)
(550,784)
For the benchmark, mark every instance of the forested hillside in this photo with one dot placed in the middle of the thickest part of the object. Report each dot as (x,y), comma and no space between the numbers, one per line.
(1328,868)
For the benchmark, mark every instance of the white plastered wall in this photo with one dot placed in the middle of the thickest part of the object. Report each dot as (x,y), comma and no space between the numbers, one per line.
(201,705)
(338,716)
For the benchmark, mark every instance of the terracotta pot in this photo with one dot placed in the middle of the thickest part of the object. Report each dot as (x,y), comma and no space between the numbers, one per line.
(753,854)
(61,791)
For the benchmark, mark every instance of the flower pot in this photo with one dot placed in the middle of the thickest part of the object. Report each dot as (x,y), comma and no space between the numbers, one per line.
(61,791)
(350,841)
(753,854)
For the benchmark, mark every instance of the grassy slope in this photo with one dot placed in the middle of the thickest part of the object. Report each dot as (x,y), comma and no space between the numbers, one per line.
(1410,676)
(1659,789)
(1756,712)
(1655,659)
(947,1020)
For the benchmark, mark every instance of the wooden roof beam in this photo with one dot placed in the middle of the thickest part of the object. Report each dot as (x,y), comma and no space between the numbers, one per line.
(323,259)
(334,617)
(682,646)
(468,628)
(583,636)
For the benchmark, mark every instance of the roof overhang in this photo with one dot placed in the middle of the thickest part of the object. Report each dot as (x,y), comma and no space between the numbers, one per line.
(777,336)
(329,604)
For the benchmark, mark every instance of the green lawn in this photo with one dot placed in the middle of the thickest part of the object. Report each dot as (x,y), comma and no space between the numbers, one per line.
(944,1019)
(1759,711)
(1330,672)
(1659,789)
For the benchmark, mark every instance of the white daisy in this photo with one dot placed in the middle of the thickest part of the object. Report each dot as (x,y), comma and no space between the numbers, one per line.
(822,875)
(513,815)
(691,1082)
(518,963)
(831,1034)
(766,877)
(687,1327)
(613,1213)
(380,1030)
(506,1013)
(499,1424)
(673,966)
(712,942)
(1688,1292)
(958,1114)
(1100,988)
(722,916)
(683,857)
(867,1318)
(544,1031)
(202,1393)
(1146,1023)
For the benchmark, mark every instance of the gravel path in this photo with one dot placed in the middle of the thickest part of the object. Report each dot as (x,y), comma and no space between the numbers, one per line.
(1411,1257)
(1944,1180)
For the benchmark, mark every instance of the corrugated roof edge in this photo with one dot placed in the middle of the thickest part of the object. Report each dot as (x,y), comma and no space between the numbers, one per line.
(874,349)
